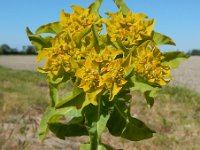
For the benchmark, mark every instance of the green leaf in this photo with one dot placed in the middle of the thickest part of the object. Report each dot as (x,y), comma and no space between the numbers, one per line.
(43,127)
(38,41)
(141,85)
(62,130)
(122,6)
(70,96)
(52,115)
(104,147)
(76,101)
(119,43)
(53,28)
(136,130)
(94,7)
(149,95)
(100,147)
(105,39)
(67,112)
(173,59)
(96,38)
(145,88)
(97,118)
(53,90)
(122,124)
(82,34)
(161,39)
(60,78)
(101,124)
(123,95)
(85,147)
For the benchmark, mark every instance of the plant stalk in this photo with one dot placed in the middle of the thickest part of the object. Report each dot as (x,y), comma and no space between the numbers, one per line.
(94,135)
(122,6)
(94,141)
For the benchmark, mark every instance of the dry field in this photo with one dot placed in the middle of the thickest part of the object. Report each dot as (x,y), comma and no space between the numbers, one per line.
(188,73)
(19,62)
(174,116)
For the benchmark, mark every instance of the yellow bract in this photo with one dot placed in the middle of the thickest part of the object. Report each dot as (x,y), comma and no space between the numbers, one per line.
(113,77)
(89,75)
(129,29)
(78,21)
(94,60)
(147,62)
(60,57)
(102,72)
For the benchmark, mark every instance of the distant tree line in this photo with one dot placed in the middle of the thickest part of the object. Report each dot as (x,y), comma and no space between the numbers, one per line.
(26,50)
(29,50)
(194,52)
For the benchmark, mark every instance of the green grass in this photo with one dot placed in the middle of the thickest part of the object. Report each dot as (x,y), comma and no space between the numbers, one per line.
(20,90)
(180,94)
(175,115)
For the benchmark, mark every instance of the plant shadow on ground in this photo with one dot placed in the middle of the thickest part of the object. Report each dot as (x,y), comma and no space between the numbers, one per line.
(24,97)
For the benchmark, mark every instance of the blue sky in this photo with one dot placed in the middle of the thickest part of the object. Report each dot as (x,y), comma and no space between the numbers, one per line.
(179,19)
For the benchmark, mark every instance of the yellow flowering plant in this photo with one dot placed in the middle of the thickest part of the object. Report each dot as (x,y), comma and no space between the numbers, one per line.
(100,71)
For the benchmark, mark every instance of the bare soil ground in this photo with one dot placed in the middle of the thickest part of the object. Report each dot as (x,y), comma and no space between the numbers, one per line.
(19,62)
(176,129)
(188,73)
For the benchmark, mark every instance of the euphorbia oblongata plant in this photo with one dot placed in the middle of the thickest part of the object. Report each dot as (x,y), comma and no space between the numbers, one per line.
(100,67)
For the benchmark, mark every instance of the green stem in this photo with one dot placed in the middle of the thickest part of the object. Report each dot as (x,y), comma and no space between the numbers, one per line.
(119,111)
(94,141)
(122,6)
(53,90)
(94,137)
(95,7)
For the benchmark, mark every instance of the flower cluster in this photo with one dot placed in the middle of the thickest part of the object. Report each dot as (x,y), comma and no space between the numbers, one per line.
(147,61)
(78,21)
(101,66)
(129,29)
(102,71)
(61,56)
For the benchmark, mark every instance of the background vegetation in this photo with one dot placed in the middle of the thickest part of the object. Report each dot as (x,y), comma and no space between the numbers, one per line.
(194,52)
(7,50)
(24,97)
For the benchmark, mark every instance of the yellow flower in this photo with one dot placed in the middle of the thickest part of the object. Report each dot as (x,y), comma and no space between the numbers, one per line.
(101,71)
(130,29)
(106,54)
(60,57)
(147,61)
(78,21)
(89,75)
(113,77)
